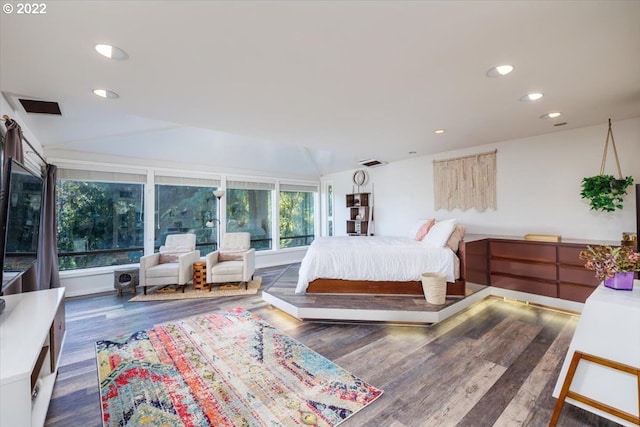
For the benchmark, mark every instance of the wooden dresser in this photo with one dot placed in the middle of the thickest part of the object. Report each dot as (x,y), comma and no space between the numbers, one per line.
(542,268)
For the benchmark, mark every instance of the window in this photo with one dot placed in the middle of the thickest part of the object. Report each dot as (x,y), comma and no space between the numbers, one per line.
(296,215)
(249,209)
(186,209)
(100,222)
(329,204)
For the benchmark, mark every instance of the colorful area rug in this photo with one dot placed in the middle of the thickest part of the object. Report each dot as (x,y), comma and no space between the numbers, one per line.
(223,369)
(190,292)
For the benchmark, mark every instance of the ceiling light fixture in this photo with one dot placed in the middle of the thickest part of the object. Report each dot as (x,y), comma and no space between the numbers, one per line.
(104,93)
(438,131)
(551,115)
(111,52)
(500,70)
(533,96)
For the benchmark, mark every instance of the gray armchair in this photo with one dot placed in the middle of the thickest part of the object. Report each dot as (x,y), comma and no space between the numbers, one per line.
(173,265)
(234,261)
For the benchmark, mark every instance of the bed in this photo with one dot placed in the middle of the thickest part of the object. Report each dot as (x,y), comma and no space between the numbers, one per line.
(375,264)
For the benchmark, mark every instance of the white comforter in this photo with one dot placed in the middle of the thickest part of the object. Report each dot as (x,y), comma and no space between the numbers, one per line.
(373,258)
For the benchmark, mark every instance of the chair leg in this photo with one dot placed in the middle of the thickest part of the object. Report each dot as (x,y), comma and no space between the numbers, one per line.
(246,285)
(144,288)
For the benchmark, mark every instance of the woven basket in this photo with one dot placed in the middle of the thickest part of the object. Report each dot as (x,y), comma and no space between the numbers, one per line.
(434,286)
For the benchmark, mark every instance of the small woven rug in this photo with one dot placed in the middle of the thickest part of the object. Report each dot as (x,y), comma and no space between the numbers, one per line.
(227,290)
(223,369)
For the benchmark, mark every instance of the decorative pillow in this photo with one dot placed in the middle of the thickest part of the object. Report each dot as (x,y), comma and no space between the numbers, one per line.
(230,256)
(414,230)
(424,229)
(456,237)
(168,257)
(439,234)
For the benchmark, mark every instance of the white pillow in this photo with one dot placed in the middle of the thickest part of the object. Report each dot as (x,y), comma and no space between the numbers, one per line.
(439,234)
(414,229)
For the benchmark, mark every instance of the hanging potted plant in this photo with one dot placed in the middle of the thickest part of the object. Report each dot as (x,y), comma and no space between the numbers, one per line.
(606,192)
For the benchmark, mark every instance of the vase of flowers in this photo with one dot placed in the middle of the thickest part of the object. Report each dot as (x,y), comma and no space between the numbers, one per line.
(615,265)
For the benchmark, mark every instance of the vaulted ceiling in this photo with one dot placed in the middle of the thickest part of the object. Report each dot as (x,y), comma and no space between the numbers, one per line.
(306,88)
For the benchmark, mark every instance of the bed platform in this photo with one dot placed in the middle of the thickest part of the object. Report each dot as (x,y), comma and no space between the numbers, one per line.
(359,307)
(337,286)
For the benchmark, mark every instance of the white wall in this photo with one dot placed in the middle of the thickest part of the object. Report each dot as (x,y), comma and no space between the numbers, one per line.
(538,187)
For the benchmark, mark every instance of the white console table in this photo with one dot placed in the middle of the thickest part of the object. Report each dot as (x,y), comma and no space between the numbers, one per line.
(609,328)
(32,329)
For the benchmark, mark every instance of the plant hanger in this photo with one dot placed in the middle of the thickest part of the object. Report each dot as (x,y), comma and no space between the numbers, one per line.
(615,152)
(606,192)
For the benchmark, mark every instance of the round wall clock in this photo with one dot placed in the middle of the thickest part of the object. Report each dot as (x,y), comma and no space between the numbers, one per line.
(359,177)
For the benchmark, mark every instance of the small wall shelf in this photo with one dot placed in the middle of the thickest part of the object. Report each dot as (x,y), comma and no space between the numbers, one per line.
(360,210)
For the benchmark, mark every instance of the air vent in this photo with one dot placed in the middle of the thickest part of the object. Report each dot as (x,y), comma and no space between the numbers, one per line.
(372,163)
(41,107)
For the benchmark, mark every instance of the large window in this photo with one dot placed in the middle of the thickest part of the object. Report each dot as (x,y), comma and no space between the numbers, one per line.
(296,215)
(249,209)
(101,215)
(100,222)
(187,209)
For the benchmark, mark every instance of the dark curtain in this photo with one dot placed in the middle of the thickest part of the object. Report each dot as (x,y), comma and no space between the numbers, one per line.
(13,150)
(13,142)
(47,267)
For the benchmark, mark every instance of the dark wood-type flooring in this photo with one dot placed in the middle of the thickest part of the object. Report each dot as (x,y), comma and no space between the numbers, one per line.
(494,364)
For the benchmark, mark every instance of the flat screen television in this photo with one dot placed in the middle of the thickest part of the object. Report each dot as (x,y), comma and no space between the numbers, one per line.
(20,207)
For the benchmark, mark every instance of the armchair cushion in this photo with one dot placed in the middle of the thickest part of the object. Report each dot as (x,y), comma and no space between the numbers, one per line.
(234,262)
(173,265)
(230,255)
(168,258)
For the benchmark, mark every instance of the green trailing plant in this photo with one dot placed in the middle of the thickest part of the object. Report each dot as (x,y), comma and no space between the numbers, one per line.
(605,192)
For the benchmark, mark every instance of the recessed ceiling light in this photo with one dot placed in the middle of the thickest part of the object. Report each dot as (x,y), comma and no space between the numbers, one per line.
(500,70)
(533,96)
(551,115)
(438,131)
(104,93)
(111,52)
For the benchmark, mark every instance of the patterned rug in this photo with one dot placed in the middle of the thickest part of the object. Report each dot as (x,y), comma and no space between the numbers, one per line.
(223,369)
(157,294)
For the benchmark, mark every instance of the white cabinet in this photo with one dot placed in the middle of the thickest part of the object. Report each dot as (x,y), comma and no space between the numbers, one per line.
(608,329)
(31,336)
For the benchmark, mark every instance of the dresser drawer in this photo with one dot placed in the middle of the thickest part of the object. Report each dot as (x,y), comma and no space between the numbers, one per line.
(520,268)
(477,247)
(481,277)
(476,262)
(571,255)
(525,285)
(573,292)
(524,251)
(577,275)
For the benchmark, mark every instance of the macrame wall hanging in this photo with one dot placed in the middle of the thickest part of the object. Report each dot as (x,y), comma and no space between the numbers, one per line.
(465,182)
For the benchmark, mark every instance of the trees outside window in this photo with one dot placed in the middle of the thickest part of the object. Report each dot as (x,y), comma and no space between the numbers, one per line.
(100,215)
(99,223)
(296,218)
(186,209)
(249,209)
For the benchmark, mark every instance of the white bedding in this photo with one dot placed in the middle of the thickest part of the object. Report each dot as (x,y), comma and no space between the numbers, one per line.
(374,258)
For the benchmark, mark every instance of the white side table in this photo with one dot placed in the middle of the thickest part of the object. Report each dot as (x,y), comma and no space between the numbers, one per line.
(609,328)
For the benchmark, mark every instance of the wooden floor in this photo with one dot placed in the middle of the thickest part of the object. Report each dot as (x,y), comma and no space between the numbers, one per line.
(493,364)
